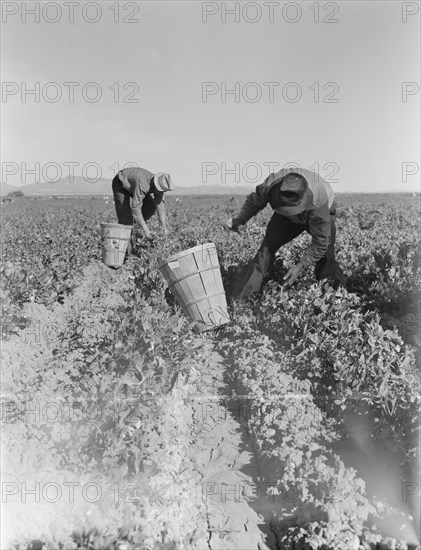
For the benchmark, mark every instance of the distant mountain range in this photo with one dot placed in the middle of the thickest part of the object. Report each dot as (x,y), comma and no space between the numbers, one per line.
(79,186)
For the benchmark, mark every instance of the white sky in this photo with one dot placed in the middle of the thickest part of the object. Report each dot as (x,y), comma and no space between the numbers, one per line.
(369,53)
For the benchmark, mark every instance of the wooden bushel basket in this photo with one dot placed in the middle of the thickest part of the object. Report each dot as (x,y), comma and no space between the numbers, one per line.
(194,278)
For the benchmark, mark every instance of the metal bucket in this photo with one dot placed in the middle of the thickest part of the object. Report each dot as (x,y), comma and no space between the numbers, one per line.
(115,239)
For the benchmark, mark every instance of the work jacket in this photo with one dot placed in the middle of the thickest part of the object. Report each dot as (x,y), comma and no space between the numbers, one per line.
(316,217)
(138,182)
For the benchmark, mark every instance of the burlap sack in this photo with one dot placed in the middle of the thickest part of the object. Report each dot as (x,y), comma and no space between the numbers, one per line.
(250,277)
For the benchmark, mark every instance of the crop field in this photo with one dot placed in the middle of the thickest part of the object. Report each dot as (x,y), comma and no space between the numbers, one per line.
(293,427)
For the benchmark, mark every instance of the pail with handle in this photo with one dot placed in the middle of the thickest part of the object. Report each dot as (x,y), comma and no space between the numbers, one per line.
(194,278)
(115,239)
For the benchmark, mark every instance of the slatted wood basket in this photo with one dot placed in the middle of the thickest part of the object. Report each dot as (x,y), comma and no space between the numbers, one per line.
(194,278)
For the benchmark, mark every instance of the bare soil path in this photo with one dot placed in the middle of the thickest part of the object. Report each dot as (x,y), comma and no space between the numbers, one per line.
(230,472)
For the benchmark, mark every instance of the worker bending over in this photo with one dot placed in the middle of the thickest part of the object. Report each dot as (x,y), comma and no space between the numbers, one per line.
(302,201)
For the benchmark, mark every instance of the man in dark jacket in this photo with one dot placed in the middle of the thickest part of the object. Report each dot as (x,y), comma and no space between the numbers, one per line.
(138,194)
(302,201)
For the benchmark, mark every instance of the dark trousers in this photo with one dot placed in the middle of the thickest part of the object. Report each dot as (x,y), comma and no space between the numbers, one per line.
(280,231)
(123,204)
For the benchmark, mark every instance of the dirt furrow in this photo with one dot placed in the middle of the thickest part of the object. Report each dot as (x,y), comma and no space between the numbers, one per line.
(222,454)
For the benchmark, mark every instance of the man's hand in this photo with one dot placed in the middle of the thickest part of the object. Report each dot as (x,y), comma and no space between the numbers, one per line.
(292,274)
(232,225)
(142,233)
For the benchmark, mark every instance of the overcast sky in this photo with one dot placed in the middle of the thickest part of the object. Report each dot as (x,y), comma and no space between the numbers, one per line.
(330,86)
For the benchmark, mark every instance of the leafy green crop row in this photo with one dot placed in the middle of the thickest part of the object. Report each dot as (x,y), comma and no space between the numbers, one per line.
(301,367)
(92,403)
(112,345)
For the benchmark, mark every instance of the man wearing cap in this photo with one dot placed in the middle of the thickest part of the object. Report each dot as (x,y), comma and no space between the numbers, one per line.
(138,194)
(302,201)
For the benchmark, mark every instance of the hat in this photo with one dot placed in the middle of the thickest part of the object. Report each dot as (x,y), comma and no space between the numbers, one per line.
(290,195)
(162,182)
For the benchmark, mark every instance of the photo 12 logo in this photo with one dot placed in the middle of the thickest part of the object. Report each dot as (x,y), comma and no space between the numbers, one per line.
(409,89)
(410,489)
(409,169)
(69,92)
(408,10)
(270,92)
(52,172)
(270,12)
(70,12)
(52,492)
(224,172)
(66,410)
(275,492)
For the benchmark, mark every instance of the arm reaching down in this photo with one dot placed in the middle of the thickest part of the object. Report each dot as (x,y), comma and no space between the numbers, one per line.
(254,203)
(320,231)
(137,202)
(161,212)
(292,274)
